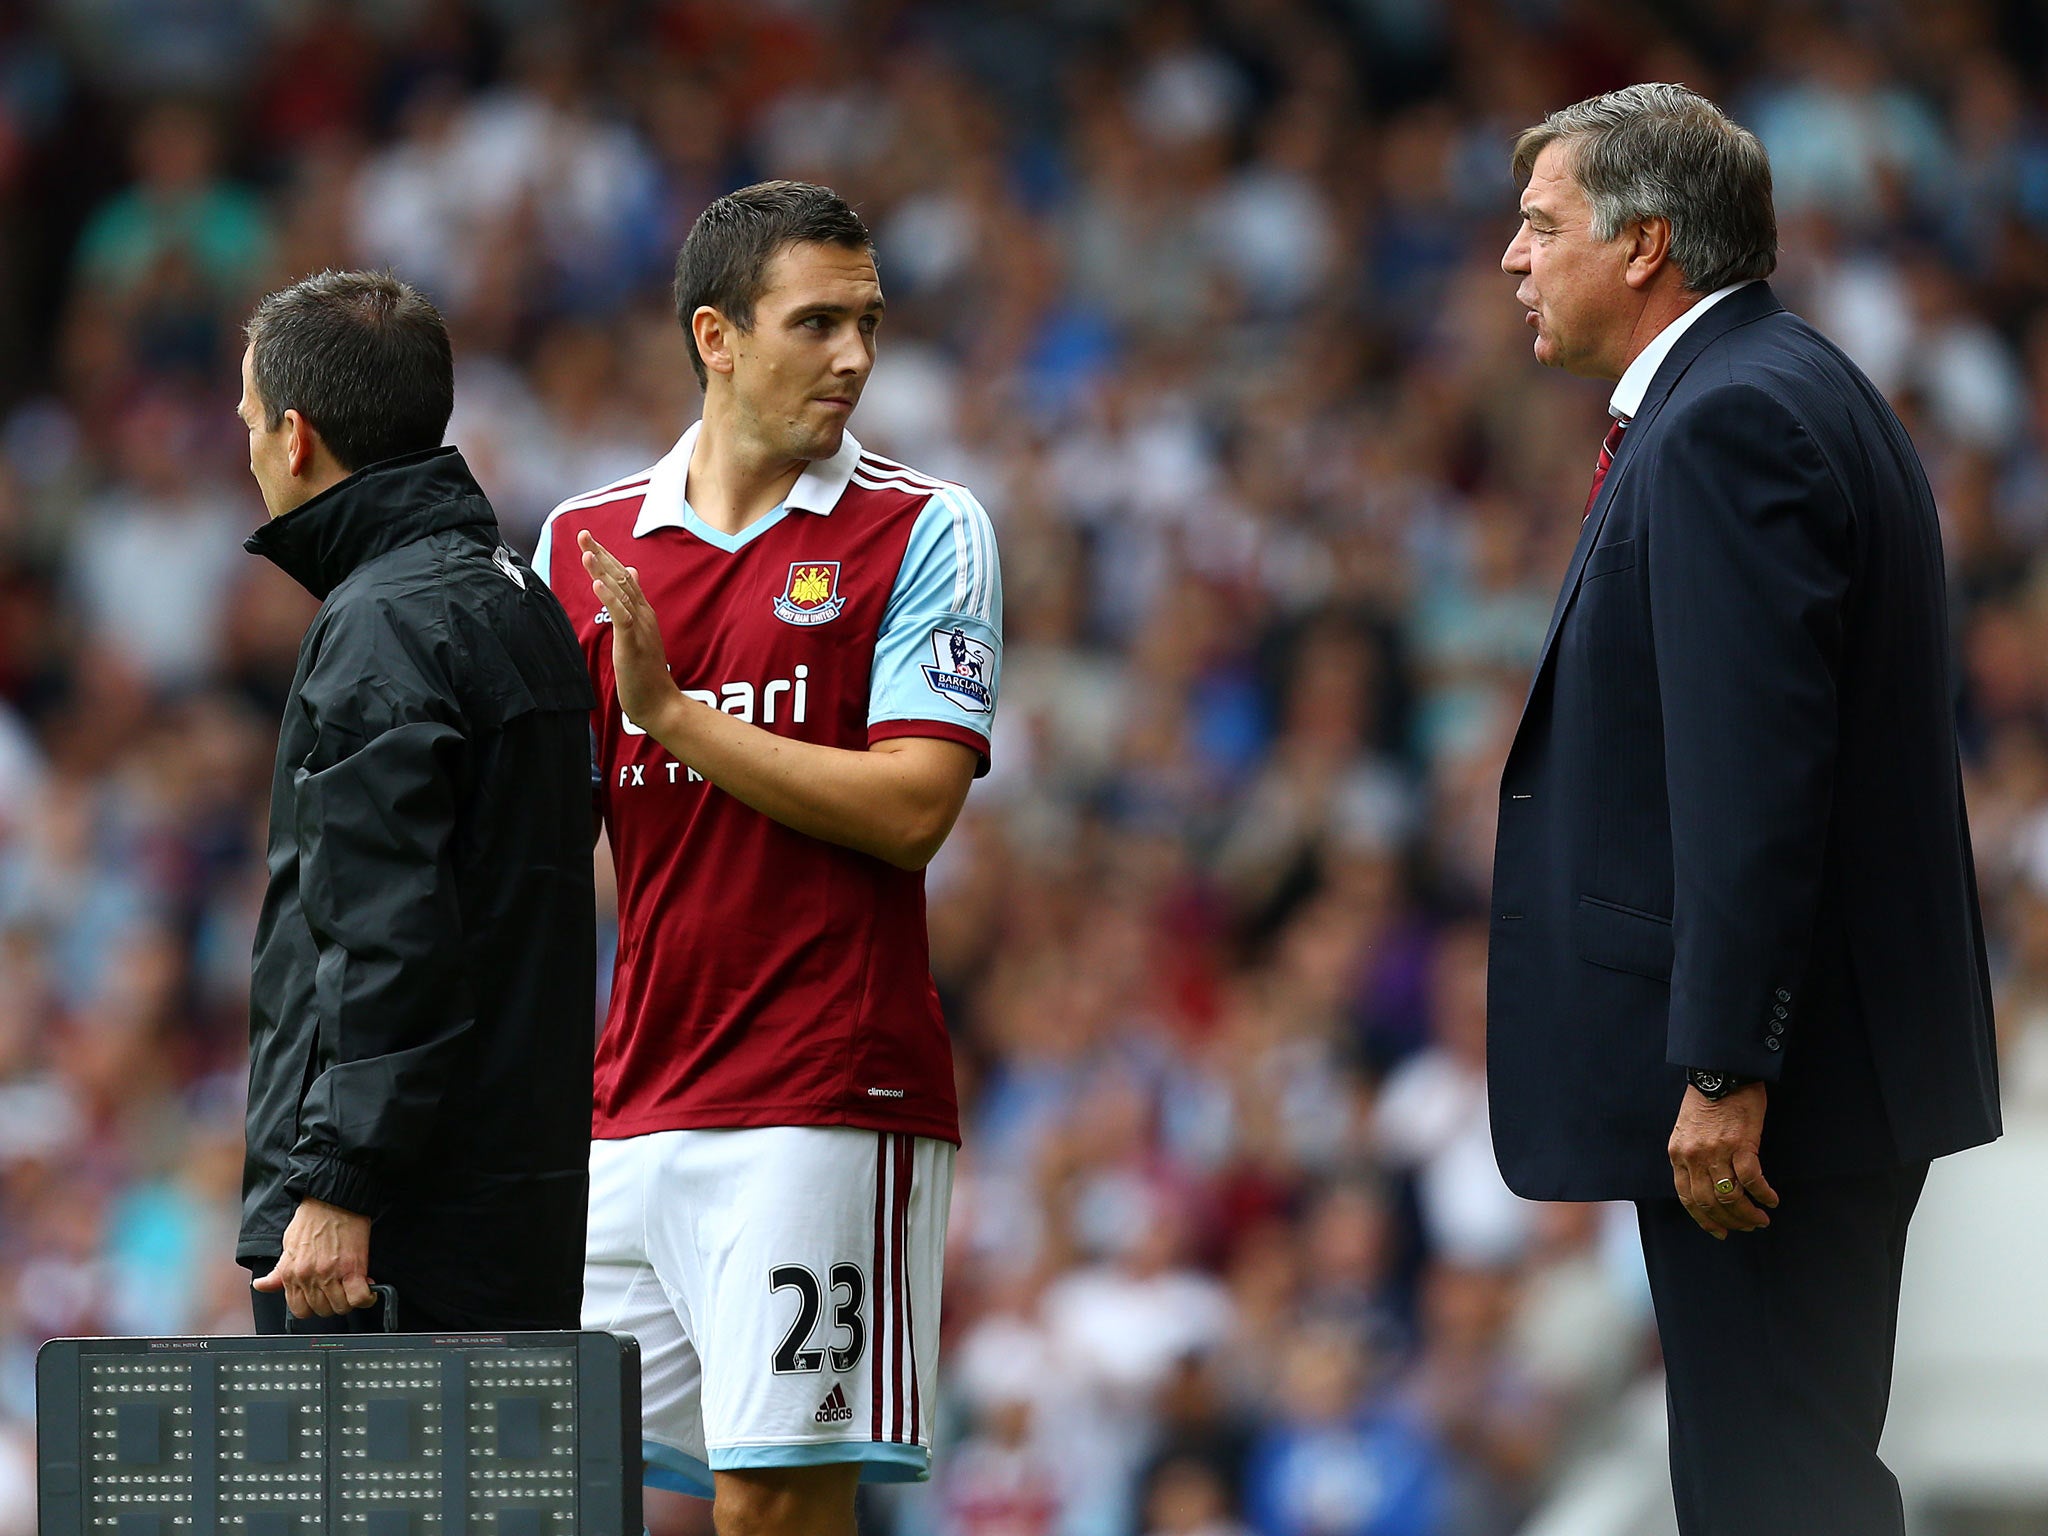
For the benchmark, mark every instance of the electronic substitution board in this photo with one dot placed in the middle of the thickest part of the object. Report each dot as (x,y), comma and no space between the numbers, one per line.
(498,1434)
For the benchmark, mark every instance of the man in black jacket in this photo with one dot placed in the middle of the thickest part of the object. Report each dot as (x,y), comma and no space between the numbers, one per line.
(1736,952)
(421,1015)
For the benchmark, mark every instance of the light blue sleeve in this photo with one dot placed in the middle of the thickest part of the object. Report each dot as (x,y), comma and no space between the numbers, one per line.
(939,655)
(544,549)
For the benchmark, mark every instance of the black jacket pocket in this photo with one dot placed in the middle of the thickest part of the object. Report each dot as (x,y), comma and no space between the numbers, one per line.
(1605,559)
(1622,938)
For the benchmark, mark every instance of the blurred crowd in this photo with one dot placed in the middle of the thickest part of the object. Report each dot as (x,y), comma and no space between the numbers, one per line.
(1203,301)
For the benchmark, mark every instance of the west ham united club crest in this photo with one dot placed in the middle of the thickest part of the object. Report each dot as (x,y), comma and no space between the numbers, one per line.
(812,596)
(962,670)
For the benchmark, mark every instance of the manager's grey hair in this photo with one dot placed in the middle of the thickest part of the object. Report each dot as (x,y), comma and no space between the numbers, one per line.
(1662,151)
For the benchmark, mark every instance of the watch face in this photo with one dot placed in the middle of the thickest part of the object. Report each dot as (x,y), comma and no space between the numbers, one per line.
(1709,1082)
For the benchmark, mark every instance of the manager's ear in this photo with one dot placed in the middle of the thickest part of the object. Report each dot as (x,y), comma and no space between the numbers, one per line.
(1649,251)
(301,444)
(714,335)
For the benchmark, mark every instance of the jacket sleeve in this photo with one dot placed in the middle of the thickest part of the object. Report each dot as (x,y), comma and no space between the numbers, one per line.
(377,799)
(1748,574)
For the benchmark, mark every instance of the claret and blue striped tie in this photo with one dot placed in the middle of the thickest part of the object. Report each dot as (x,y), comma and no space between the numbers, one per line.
(1610,445)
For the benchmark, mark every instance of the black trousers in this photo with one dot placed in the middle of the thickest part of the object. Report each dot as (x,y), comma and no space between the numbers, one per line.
(1778,1358)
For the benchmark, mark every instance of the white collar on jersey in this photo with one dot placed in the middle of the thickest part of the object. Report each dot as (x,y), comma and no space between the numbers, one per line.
(817,489)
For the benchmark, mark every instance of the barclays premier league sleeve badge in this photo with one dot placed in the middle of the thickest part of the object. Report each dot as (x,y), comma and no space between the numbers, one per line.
(962,670)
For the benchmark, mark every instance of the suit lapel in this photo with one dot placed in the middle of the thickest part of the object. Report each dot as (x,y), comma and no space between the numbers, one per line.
(1589,533)
(1738,309)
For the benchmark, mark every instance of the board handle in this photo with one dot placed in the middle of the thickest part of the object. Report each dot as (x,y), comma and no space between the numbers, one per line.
(387,1294)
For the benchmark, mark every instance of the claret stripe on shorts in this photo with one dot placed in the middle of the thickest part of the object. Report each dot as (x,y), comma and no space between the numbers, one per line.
(880,1346)
(893,1417)
(897,1204)
(908,1166)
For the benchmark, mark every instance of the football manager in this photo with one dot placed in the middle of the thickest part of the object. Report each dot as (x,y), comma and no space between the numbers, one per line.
(1737,967)
(421,1014)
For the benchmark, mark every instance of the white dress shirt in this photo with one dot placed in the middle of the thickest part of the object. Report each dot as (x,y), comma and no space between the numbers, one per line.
(1628,394)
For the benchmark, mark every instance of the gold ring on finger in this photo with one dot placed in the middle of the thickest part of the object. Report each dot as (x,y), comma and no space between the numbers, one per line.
(1724,1187)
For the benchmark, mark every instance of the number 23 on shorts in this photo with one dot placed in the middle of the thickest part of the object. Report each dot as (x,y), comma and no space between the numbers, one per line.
(800,1351)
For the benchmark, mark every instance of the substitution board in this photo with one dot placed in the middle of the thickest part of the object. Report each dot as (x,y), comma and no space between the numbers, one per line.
(505,1434)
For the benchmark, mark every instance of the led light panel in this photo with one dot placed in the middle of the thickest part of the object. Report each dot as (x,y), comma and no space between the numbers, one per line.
(533,1434)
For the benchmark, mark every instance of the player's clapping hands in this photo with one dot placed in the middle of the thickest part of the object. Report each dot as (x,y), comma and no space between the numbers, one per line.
(639,664)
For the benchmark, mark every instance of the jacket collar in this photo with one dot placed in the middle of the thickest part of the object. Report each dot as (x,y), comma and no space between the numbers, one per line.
(1751,301)
(1740,308)
(1627,399)
(375,510)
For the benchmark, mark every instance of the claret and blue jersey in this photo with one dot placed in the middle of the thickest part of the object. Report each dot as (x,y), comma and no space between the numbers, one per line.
(765,977)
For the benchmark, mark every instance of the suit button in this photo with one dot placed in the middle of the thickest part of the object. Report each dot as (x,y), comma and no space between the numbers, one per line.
(1773,1043)
(1777,1028)
(1784,996)
(1780,1012)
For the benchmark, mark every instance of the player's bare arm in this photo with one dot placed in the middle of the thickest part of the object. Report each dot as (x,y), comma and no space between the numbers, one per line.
(897,800)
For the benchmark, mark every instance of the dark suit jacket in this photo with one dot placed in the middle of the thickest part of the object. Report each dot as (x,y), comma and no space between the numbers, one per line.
(1731,824)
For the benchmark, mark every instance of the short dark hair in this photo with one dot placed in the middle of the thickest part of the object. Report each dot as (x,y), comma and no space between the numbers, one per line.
(724,262)
(1662,151)
(362,356)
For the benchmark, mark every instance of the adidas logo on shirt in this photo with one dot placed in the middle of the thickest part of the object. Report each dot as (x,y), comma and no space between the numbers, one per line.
(833,1410)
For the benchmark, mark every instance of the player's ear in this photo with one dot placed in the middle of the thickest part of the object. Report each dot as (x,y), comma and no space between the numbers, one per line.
(713,334)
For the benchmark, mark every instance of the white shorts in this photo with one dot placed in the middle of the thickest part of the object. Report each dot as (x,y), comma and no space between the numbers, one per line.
(783,1283)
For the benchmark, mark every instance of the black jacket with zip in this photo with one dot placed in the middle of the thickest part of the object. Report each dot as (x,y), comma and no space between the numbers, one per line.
(421,1012)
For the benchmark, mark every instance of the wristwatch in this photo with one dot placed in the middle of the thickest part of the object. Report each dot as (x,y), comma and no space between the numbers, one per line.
(1715,1086)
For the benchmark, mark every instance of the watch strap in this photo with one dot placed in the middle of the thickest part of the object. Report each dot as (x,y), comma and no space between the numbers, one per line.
(1715,1086)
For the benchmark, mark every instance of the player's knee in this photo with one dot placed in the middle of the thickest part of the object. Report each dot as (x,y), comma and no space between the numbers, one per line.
(786,1501)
